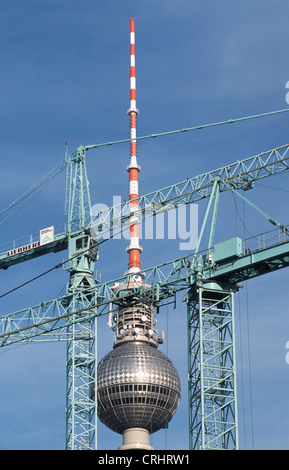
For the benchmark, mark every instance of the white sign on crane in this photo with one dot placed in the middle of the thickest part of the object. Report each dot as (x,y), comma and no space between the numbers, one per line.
(46,235)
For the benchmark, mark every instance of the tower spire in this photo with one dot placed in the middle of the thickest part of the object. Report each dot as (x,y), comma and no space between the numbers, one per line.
(134,249)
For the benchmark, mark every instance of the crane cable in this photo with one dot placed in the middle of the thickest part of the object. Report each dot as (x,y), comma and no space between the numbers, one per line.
(18,203)
(59,265)
(27,195)
(249,346)
(63,164)
(242,220)
(187,129)
(108,238)
(31,280)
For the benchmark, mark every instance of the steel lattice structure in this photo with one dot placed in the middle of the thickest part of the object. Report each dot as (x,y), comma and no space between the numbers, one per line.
(212,369)
(218,269)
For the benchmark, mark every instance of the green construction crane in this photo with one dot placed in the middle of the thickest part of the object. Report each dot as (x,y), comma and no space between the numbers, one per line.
(208,278)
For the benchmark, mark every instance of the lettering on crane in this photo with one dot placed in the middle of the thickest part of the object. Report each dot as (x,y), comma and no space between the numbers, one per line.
(24,248)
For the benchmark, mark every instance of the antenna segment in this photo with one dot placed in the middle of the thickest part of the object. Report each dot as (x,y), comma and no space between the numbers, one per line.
(134,249)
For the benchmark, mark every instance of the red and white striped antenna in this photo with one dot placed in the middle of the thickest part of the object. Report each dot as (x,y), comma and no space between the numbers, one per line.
(134,249)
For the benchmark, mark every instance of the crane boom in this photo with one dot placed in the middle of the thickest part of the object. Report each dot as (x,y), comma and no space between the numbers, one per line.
(241,175)
(232,263)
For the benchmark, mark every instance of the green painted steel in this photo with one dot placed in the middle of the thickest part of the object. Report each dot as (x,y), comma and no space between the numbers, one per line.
(238,175)
(81,403)
(166,280)
(189,129)
(211,356)
(212,390)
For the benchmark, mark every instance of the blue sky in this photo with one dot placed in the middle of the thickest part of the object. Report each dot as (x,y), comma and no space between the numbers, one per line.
(64,77)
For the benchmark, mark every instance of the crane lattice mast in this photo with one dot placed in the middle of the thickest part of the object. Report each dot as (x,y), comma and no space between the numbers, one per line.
(81,404)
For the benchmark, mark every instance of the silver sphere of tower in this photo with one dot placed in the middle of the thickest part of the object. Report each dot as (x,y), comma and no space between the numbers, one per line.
(138,385)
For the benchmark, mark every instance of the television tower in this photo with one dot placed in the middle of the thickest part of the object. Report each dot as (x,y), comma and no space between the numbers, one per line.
(138,386)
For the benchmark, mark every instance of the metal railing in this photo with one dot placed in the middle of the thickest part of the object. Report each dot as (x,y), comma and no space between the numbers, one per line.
(266,239)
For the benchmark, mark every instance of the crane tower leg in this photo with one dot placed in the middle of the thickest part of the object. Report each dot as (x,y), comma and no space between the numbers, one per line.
(212,368)
(81,403)
(80,378)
